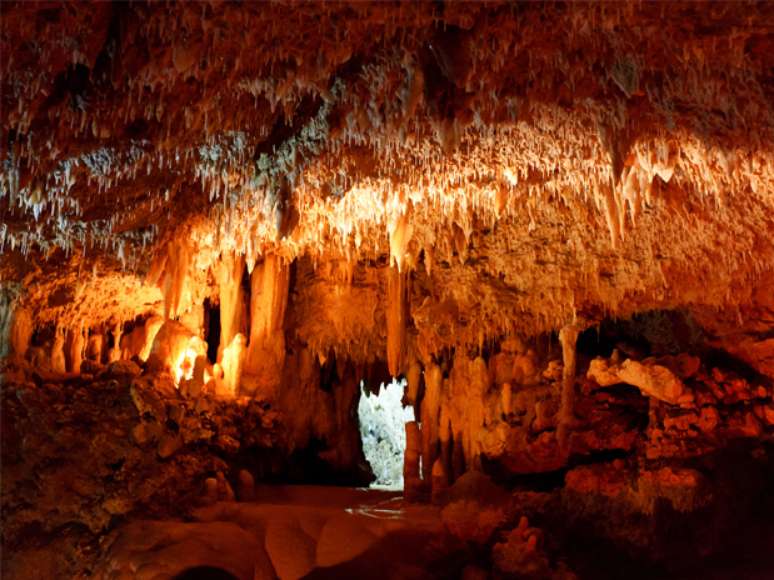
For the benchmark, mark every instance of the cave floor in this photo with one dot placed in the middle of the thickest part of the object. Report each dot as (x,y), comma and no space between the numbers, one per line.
(290,531)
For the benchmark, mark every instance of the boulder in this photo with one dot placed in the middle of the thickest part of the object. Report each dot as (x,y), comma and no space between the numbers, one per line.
(246,486)
(168,445)
(147,401)
(652,379)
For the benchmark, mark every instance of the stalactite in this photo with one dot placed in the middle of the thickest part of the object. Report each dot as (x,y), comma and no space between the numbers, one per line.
(269,284)
(400,236)
(228,272)
(169,271)
(397,312)
(568,337)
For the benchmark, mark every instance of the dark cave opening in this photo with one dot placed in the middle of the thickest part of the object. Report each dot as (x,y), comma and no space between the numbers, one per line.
(212,329)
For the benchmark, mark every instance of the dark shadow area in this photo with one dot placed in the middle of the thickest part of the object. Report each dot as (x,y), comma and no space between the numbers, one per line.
(732,536)
(212,329)
(651,333)
(205,573)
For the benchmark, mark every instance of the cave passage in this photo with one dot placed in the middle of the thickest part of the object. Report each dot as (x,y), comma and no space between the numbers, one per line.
(382,419)
(366,289)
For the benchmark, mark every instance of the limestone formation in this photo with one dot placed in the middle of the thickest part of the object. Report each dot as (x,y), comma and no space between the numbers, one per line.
(652,379)
(225,225)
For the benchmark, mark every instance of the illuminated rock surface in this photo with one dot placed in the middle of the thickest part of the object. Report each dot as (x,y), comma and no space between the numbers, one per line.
(556,221)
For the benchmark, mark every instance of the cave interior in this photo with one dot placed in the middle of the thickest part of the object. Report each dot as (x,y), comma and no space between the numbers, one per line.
(387,289)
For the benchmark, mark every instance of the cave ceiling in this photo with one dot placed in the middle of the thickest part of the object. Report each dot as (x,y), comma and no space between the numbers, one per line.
(526,165)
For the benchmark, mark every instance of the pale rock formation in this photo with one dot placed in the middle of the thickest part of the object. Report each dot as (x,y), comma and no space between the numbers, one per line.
(232,362)
(652,379)
(21,332)
(413,381)
(266,348)
(139,341)
(77,343)
(58,363)
(568,336)
(466,402)
(430,416)
(176,349)
(114,353)
(95,346)
(228,272)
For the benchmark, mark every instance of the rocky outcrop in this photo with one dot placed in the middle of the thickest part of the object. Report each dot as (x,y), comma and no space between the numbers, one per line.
(652,379)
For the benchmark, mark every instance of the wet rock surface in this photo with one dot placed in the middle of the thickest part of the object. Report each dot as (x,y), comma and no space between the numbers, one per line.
(83,455)
(87,457)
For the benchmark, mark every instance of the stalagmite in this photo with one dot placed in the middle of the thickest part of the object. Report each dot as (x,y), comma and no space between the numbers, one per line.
(397,311)
(150,329)
(77,345)
(431,419)
(232,363)
(439,481)
(266,350)
(21,332)
(568,336)
(7,303)
(94,347)
(228,272)
(58,364)
(16,325)
(466,405)
(337,195)
(140,340)
(412,482)
(175,348)
(413,378)
(505,399)
(114,353)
